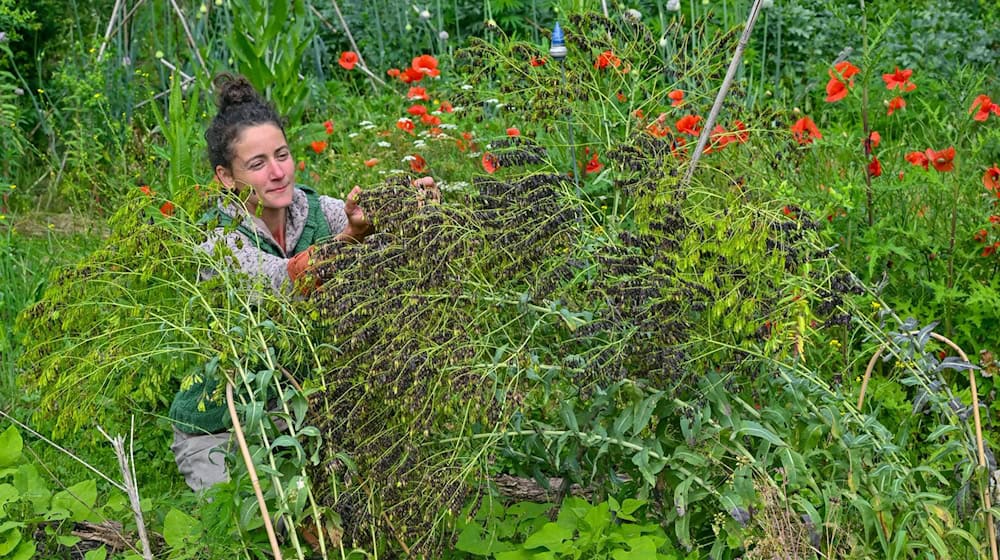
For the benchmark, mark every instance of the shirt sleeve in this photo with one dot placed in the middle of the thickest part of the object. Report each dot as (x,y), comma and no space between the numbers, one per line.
(333,210)
(257,264)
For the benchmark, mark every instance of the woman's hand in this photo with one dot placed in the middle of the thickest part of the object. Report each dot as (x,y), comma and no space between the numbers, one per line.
(357,223)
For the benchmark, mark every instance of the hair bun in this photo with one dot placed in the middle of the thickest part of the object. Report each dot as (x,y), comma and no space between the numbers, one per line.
(234,90)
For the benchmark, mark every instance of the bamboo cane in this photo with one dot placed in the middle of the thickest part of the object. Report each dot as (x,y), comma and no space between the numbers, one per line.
(990,530)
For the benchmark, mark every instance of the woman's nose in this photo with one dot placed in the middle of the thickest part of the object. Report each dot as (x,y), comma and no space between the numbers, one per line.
(277,171)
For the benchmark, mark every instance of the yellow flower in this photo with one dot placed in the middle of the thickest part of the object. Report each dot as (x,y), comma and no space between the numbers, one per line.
(876,305)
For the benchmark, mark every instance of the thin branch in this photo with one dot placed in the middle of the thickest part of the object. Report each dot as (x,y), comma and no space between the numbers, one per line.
(350,37)
(717,106)
(63,449)
(127,466)
(108,31)
(190,38)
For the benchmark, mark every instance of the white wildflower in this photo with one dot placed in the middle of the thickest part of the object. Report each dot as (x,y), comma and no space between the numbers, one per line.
(384,144)
(673,5)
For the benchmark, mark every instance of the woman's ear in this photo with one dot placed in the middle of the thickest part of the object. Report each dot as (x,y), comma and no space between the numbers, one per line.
(225,177)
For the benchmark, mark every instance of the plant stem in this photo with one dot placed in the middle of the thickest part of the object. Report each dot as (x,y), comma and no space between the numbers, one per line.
(864,118)
(721,96)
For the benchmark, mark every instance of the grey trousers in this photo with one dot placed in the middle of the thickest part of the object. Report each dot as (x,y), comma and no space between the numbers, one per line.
(201,458)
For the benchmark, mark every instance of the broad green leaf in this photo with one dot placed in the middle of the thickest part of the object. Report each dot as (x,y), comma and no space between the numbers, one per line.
(515,555)
(24,552)
(551,536)
(9,538)
(641,548)
(77,500)
(8,494)
(96,554)
(180,529)
(31,486)
(11,445)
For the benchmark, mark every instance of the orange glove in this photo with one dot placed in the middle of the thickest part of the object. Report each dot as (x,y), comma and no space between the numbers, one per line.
(298,264)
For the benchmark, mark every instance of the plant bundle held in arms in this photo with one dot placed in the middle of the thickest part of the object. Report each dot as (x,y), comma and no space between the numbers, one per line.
(448,318)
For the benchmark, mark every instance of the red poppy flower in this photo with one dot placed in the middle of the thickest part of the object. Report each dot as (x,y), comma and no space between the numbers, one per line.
(513,131)
(392,72)
(639,114)
(537,61)
(621,97)
(418,164)
(718,139)
(167,208)
(411,75)
(985,106)
(980,236)
(874,168)
(302,165)
(347,60)
(804,131)
(994,219)
(467,135)
(990,249)
(430,120)
(426,65)
(872,142)
(605,59)
(943,160)
(657,129)
(318,146)
(446,107)
(787,210)
(593,166)
(918,158)
(435,131)
(991,179)
(417,110)
(489,162)
(328,125)
(688,124)
(676,98)
(146,190)
(836,89)
(894,104)
(371,162)
(405,124)
(900,79)
(417,93)
(742,136)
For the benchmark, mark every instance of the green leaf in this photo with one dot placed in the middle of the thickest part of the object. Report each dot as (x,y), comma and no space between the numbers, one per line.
(8,494)
(77,500)
(519,554)
(10,446)
(180,529)
(24,552)
(550,536)
(641,548)
(96,554)
(754,429)
(9,537)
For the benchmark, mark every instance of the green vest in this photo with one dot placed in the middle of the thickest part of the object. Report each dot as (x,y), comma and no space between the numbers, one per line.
(316,229)
(193,411)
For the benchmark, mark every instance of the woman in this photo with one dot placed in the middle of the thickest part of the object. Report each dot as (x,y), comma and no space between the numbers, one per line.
(278,224)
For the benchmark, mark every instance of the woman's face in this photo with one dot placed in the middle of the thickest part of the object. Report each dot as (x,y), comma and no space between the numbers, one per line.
(261,160)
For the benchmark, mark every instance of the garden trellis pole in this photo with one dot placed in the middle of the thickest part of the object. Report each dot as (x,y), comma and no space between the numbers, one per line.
(977,422)
(730,74)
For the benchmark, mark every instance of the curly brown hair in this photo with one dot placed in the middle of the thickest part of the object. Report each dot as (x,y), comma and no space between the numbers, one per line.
(240,105)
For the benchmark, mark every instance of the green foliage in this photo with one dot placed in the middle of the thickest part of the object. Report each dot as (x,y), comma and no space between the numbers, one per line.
(607,530)
(29,507)
(268,41)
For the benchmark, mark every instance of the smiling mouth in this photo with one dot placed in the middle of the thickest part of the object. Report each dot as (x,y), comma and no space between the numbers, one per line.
(279,189)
